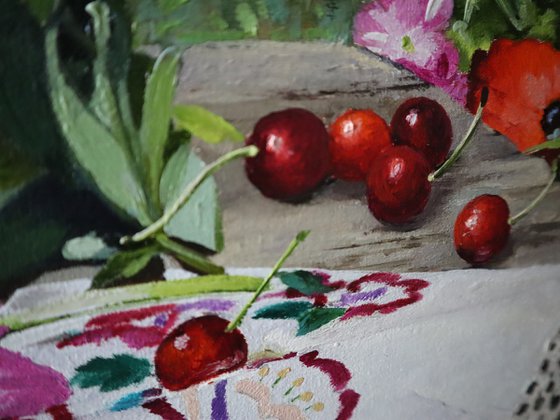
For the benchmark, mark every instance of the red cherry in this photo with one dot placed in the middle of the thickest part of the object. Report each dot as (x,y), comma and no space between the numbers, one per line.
(482,228)
(423,124)
(357,137)
(398,186)
(198,350)
(294,154)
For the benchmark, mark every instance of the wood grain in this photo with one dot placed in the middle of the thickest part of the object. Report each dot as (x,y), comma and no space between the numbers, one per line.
(245,80)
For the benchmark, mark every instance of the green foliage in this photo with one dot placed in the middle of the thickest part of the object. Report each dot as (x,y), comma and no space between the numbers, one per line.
(199,220)
(510,19)
(112,373)
(123,266)
(284,310)
(304,282)
(317,317)
(205,125)
(181,22)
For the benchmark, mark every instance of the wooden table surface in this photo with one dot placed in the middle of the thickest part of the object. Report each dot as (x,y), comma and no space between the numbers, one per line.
(245,80)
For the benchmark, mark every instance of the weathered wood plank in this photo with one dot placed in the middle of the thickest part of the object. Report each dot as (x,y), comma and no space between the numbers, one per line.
(244,81)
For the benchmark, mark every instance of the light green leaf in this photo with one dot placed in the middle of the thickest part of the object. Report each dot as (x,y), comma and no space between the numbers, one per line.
(103,102)
(88,247)
(95,149)
(199,220)
(547,145)
(156,118)
(205,125)
(124,265)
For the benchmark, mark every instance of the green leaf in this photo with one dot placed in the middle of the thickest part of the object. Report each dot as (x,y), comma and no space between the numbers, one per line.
(94,147)
(205,125)
(156,118)
(304,282)
(199,220)
(26,115)
(547,145)
(41,9)
(124,265)
(104,102)
(88,247)
(110,374)
(283,310)
(318,317)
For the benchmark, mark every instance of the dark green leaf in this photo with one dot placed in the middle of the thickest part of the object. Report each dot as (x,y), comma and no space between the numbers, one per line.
(191,259)
(318,317)
(547,145)
(283,310)
(156,118)
(41,9)
(112,373)
(94,147)
(26,115)
(205,125)
(304,282)
(199,220)
(123,266)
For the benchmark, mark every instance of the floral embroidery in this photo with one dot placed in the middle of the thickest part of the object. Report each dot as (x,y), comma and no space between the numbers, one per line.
(373,293)
(27,388)
(408,34)
(140,328)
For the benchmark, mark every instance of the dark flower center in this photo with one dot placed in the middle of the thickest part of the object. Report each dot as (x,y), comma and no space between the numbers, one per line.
(551,119)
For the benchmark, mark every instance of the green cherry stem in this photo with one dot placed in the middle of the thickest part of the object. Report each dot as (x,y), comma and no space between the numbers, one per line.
(438,173)
(300,237)
(157,226)
(553,173)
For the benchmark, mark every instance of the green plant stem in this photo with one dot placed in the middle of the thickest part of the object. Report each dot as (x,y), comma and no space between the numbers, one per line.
(438,173)
(291,247)
(210,169)
(554,172)
(469,7)
(191,258)
(99,301)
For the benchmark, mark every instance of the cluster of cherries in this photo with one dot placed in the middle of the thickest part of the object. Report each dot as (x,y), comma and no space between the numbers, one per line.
(398,163)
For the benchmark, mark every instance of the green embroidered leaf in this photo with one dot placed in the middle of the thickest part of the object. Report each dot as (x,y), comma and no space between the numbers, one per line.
(205,125)
(199,220)
(111,374)
(93,145)
(124,265)
(304,282)
(284,310)
(156,117)
(317,317)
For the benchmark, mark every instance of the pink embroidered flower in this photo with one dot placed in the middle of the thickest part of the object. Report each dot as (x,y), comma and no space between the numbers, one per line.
(27,388)
(406,33)
(140,328)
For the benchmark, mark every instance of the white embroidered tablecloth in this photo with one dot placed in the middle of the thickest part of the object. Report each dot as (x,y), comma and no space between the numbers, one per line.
(468,344)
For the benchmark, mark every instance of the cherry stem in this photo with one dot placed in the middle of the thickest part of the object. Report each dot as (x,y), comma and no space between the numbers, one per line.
(249,151)
(300,237)
(438,173)
(554,172)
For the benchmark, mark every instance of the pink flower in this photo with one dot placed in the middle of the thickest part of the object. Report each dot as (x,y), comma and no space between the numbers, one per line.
(27,388)
(403,31)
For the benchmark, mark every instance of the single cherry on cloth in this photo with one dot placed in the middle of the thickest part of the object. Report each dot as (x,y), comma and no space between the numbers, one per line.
(397,185)
(198,350)
(357,137)
(293,157)
(482,228)
(423,124)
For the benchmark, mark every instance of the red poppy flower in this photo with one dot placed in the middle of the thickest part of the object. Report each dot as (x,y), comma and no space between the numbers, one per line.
(523,78)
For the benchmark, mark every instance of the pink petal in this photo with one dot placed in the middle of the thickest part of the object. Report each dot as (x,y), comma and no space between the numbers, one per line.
(27,388)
